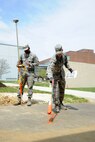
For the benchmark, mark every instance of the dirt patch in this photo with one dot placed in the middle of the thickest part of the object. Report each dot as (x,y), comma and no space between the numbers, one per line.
(6,100)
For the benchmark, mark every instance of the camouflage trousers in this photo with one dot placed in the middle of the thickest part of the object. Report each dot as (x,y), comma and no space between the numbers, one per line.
(26,78)
(58,91)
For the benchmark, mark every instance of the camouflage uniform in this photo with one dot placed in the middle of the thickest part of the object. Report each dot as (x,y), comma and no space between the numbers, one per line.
(27,73)
(56,72)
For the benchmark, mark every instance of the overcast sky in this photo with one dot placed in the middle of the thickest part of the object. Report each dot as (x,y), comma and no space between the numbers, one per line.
(44,23)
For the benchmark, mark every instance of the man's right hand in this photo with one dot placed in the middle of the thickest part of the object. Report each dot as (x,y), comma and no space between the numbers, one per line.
(50,80)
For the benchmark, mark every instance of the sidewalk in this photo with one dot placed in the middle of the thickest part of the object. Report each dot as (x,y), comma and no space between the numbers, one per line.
(84,94)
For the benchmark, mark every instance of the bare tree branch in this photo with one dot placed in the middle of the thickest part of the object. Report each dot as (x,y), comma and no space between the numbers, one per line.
(4,67)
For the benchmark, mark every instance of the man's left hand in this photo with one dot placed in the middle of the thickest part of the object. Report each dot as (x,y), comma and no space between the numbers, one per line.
(71,70)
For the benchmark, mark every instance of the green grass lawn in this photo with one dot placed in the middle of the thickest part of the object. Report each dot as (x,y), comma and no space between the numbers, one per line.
(43,84)
(46,84)
(74,99)
(15,89)
(89,89)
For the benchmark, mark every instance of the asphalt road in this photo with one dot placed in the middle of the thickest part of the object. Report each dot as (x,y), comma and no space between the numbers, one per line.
(30,124)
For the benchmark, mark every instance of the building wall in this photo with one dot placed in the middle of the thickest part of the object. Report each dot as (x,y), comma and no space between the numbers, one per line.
(85,76)
(83,56)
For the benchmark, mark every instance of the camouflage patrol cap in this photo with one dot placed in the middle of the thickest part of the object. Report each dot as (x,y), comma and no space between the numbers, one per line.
(58,49)
(26,47)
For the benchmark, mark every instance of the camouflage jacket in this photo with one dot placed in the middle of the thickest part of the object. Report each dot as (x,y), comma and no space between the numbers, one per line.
(29,61)
(56,66)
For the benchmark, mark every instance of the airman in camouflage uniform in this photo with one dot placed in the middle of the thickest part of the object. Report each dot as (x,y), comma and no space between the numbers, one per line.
(56,74)
(27,64)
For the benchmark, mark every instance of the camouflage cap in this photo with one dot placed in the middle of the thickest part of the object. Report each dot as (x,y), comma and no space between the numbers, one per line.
(26,47)
(58,49)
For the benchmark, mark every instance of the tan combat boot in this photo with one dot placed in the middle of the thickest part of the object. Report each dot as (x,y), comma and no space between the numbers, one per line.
(18,102)
(29,103)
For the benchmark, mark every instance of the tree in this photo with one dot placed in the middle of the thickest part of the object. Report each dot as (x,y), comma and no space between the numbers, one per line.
(4,67)
(42,72)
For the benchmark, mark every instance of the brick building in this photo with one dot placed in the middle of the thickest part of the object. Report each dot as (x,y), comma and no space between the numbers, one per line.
(83,56)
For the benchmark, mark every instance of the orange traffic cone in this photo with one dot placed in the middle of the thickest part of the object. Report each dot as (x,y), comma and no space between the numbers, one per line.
(50,107)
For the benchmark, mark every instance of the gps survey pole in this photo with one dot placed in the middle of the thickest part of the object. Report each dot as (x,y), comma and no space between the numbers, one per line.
(19,76)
